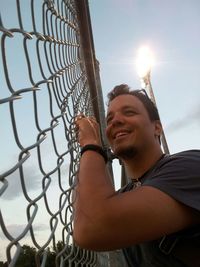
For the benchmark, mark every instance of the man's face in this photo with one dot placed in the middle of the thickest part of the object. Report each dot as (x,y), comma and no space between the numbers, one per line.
(129,128)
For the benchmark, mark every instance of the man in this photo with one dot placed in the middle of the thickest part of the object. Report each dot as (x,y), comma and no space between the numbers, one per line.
(156,223)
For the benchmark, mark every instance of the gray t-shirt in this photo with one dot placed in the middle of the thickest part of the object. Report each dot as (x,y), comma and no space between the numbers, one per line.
(177,175)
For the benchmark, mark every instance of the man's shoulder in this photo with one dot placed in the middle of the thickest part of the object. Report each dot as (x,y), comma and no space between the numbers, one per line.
(189,154)
(183,159)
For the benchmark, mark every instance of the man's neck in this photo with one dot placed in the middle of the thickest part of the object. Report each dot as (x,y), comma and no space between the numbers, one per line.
(139,164)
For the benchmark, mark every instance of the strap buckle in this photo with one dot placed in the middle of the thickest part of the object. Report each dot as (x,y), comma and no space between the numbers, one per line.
(167,244)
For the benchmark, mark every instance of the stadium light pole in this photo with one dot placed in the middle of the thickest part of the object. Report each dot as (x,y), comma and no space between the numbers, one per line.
(145,62)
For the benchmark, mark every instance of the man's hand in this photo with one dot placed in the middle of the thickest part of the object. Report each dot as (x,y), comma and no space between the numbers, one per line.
(87,130)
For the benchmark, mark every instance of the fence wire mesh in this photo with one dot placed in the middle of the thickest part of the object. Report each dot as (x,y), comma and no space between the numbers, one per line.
(43,87)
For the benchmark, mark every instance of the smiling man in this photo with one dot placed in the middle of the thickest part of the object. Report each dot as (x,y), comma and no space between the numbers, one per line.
(155,218)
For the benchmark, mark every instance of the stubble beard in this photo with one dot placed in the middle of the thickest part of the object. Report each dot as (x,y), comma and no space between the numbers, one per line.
(126,153)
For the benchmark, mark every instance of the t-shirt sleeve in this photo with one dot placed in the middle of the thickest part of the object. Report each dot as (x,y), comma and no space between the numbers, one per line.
(179,177)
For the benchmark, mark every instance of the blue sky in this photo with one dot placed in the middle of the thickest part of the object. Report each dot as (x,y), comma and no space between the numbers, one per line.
(171,30)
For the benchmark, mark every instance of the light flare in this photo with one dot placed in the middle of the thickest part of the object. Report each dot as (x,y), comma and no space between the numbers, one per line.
(145,61)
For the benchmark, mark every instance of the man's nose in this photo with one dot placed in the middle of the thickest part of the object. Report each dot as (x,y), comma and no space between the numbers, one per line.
(117,119)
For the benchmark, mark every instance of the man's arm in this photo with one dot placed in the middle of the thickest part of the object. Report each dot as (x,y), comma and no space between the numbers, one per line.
(105,220)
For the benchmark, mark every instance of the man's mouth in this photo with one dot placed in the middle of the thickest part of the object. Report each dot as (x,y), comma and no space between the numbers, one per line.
(120,134)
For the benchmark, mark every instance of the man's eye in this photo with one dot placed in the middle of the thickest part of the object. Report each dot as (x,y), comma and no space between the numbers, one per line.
(129,112)
(108,120)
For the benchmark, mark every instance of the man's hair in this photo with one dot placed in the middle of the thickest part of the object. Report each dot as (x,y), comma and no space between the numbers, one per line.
(124,89)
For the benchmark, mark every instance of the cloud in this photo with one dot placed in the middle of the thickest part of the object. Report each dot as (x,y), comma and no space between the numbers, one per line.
(185,121)
(32,178)
(16,229)
(33,181)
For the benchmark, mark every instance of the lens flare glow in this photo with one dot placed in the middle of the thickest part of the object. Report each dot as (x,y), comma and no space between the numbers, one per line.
(145,61)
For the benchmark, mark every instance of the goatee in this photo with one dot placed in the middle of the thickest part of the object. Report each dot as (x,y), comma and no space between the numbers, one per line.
(127,153)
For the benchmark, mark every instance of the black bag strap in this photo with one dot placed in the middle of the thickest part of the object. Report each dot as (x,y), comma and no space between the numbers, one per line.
(184,245)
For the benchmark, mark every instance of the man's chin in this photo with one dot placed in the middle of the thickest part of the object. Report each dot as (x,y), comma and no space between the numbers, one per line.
(126,152)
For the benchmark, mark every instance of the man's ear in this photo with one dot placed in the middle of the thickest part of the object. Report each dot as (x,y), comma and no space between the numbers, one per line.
(158,128)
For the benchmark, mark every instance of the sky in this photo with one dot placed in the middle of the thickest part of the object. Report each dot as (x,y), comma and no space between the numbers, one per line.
(171,29)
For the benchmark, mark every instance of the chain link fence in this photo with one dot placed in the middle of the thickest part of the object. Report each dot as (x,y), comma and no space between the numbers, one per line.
(46,75)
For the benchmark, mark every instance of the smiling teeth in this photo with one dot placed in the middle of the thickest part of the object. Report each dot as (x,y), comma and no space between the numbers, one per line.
(120,134)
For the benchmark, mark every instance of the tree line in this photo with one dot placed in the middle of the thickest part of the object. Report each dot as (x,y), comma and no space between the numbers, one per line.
(27,256)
